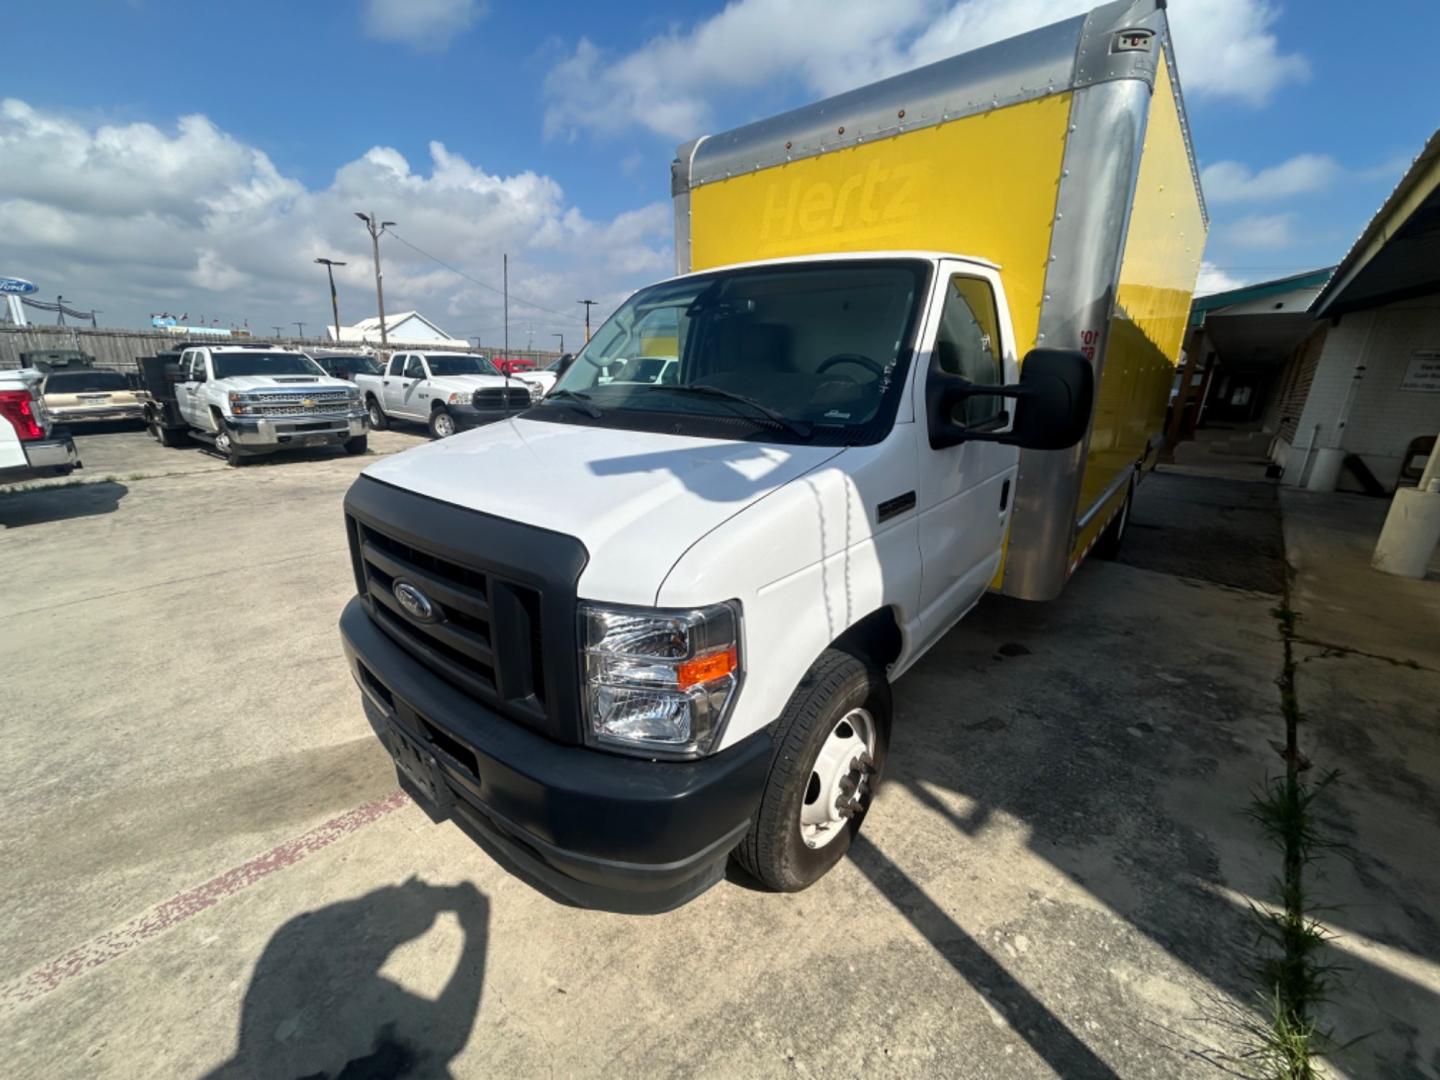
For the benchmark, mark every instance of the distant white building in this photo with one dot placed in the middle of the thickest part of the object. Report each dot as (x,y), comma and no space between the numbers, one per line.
(402,328)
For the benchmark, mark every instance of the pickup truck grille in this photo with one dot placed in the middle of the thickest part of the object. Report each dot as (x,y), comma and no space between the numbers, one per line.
(485,637)
(293,404)
(502,397)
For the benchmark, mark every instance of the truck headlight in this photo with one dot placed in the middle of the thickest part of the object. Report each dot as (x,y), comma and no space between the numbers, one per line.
(660,683)
(536,391)
(455,399)
(239,402)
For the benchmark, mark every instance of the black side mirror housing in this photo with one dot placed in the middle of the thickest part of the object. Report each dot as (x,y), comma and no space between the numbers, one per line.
(1053,400)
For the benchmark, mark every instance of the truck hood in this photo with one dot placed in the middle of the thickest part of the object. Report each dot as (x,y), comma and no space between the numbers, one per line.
(636,500)
(300,384)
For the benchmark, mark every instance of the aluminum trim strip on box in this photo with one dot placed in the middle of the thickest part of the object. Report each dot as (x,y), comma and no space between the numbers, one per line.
(1029,66)
(1102,161)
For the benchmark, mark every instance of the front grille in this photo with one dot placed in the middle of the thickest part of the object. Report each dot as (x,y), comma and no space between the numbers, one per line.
(292,404)
(501,397)
(485,637)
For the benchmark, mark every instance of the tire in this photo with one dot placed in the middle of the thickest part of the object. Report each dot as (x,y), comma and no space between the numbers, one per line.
(442,424)
(358,445)
(780,850)
(378,420)
(171,437)
(1107,547)
(226,447)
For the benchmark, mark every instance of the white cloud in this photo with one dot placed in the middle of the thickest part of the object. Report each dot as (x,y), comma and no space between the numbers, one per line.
(426,25)
(1213,280)
(1260,232)
(1232,181)
(134,219)
(670,84)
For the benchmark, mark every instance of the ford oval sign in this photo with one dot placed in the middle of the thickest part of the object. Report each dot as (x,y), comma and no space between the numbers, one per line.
(414,602)
(16,285)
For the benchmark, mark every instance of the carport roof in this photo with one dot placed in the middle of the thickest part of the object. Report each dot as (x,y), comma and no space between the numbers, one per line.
(1309,279)
(1398,254)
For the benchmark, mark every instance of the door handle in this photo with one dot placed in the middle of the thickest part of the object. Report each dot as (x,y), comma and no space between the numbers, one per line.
(384,382)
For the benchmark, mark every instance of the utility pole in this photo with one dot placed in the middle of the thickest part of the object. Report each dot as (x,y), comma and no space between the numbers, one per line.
(330,265)
(279,330)
(562,342)
(301,327)
(375,227)
(588,305)
(505,272)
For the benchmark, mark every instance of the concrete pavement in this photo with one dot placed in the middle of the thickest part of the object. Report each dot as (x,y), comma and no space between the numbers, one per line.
(208,867)
(1367,677)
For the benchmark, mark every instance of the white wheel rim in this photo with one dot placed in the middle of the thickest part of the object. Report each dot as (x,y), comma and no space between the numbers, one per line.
(444,426)
(840,781)
(222,441)
(374,415)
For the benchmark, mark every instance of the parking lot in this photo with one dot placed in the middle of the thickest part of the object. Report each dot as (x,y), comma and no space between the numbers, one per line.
(210,868)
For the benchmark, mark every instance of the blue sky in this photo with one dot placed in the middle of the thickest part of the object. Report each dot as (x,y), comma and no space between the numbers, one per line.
(555,123)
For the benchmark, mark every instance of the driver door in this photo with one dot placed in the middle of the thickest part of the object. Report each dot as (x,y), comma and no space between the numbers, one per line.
(964,492)
(189,395)
(414,388)
(394,384)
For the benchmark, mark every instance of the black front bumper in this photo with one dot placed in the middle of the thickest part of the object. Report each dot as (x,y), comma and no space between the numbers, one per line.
(597,829)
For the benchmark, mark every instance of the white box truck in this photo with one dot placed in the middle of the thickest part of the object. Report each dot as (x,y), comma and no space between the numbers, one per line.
(920,347)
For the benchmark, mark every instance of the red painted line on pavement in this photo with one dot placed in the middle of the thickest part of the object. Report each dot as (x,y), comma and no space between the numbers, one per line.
(114,943)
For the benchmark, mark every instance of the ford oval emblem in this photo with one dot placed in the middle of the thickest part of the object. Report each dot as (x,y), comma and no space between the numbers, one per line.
(415,603)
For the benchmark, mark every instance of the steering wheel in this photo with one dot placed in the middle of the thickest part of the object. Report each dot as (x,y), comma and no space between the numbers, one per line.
(851,358)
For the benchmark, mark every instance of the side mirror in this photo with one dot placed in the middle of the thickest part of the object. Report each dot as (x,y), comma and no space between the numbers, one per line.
(1052,403)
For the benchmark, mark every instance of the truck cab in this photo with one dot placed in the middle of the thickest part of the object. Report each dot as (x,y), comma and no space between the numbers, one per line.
(596,653)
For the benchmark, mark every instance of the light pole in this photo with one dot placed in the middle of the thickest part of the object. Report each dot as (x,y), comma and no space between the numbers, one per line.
(279,330)
(330,265)
(588,305)
(562,342)
(375,227)
(301,327)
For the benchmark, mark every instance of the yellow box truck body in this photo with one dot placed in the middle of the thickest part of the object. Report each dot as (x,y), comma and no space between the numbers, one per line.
(1063,156)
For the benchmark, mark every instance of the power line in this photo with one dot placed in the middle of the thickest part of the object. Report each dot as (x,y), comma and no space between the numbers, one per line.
(483,284)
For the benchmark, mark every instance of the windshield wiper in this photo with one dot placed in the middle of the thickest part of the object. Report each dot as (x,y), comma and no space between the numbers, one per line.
(575,400)
(797,427)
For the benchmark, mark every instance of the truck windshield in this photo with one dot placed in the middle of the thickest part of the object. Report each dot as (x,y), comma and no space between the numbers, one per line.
(441,364)
(229,365)
(813,351)
(80,382)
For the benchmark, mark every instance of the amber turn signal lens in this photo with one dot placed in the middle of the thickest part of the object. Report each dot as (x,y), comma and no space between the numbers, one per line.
(703,669)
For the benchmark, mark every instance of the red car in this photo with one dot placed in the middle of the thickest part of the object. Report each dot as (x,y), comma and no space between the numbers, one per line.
(513,366)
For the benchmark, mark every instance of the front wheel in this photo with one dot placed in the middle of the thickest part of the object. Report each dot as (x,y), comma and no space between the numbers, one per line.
(378,420)
(358,445)
(831,743)
(442,424)
(226,447)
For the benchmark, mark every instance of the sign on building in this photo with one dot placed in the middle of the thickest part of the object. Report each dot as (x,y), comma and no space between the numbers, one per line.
(1423,371)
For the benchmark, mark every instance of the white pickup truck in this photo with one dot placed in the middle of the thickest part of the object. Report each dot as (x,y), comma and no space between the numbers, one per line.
(445,391)
(918,350)
(249,400)
(31,448)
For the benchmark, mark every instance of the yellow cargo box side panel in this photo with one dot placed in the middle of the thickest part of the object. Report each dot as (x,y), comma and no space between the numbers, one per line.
(1157,279)
(984,185)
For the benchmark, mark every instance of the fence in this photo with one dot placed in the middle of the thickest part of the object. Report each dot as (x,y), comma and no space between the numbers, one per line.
(118,349)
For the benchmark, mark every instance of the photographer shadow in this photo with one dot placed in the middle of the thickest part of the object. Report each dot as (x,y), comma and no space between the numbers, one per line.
(318,1005)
